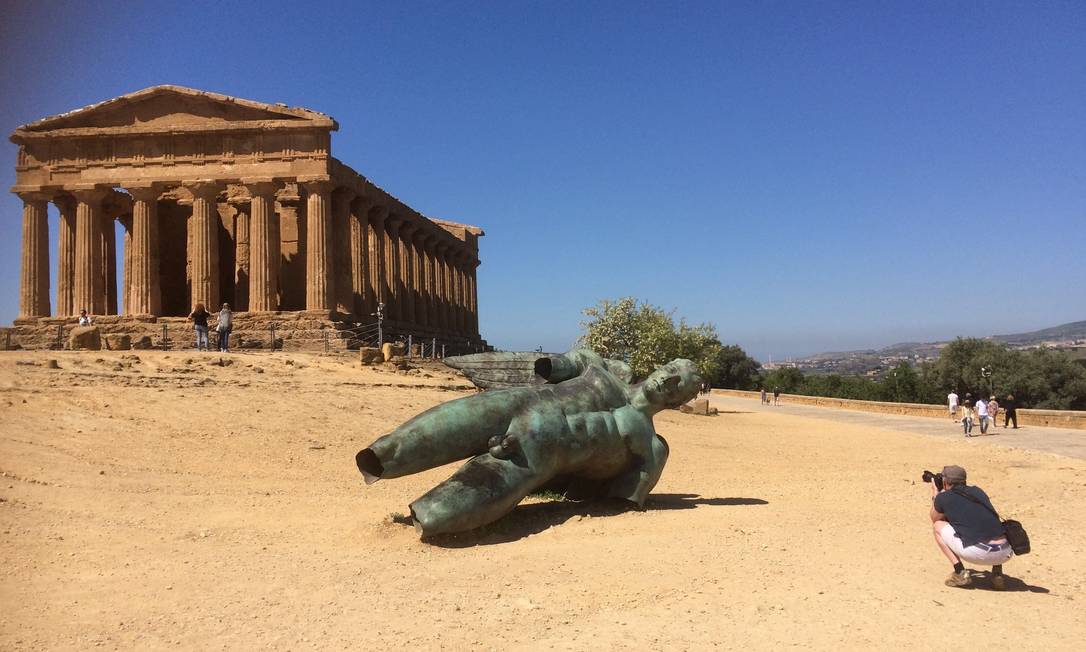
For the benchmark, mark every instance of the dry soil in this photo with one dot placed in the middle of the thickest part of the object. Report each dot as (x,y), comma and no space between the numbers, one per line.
(164,500)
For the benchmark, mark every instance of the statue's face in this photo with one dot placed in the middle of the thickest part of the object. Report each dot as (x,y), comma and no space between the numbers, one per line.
(673,384)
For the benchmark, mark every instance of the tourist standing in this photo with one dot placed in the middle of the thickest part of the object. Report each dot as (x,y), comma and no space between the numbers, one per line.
(199,320)
(1010,411)
(952,402)
(993,410)
(226,324)
(765,399)
(776,396)
(967,416)
(982,415)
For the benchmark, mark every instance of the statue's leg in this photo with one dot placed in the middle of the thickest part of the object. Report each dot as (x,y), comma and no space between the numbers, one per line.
(480,492)
(446,433)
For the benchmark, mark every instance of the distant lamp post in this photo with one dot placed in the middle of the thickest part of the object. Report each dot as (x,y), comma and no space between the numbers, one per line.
(986,372)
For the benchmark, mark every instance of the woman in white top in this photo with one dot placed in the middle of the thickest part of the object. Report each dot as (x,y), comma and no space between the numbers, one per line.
(226,324)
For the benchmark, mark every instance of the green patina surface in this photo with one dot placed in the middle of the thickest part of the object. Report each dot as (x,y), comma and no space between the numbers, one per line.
(581,429)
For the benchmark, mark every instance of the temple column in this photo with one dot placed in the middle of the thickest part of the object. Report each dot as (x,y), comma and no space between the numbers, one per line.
(392,269)
(319,283)
(439,286)
(205,245)
(341,251)
(474,297)
(34,270)
(87,277)
(358,232)
(407,273)
(107,238)
(458,281)
(66,256)
(375,232)
(262,252)
(462,296)
(426,280)
(442,272)
(126,277)
(145,293)
(242,274)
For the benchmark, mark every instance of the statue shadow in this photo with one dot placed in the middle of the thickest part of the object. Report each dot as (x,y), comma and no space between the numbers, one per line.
(982,580)
(534,518)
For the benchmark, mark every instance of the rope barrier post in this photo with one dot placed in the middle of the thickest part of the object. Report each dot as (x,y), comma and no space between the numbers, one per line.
(165,347)
(433,348)
(442,351)
(409,347)
(326,340)
(271,330)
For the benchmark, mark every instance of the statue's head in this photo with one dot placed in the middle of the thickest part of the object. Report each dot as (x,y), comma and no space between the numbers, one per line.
(672,384)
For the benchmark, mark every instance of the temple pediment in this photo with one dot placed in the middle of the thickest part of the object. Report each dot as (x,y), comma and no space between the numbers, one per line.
(174,108)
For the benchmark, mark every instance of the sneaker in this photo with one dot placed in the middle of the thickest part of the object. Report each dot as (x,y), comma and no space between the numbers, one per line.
(998,583)
(959,579)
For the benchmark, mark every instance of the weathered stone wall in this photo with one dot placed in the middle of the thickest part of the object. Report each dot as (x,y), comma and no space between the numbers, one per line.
(1027,417)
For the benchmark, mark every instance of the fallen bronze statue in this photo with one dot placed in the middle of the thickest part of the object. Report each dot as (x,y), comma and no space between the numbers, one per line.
(584,431)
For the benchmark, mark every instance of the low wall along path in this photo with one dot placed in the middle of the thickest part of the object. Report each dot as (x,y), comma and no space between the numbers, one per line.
(1026,417)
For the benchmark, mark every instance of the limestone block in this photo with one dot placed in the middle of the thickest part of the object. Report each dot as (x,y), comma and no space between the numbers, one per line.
(370,355)
(392,350)
(86,338)
(701,406)
(118,342)
(143,342)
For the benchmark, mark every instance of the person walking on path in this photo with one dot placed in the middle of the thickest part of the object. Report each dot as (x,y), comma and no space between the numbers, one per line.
(1010,411)
(776,396)
(765,399)
(952,402)
(226,324)
(199,320)
(982,415)
(967,416)
(993,410)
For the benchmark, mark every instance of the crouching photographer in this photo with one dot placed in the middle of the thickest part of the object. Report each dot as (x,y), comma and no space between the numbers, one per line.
(966,527)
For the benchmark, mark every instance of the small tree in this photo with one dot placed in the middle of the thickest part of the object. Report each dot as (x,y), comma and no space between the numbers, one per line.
(645,337)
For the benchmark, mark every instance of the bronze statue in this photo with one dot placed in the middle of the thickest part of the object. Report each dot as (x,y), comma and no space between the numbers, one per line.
(586,430)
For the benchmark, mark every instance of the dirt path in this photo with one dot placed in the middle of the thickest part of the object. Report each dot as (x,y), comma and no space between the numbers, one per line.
(168,503)
(1068,442)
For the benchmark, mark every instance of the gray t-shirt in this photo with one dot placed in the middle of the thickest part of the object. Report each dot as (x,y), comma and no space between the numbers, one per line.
(226,319)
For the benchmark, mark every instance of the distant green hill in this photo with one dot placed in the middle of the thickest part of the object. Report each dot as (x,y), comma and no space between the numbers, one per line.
(864,360)
(1076,330)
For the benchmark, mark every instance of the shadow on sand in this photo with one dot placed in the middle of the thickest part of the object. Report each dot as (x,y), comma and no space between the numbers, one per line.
(534,518)
(983,580)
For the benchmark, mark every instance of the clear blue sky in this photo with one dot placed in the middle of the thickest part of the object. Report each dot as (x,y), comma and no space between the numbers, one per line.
(807,175)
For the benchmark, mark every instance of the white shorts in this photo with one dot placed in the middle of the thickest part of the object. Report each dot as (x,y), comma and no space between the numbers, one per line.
(974,554)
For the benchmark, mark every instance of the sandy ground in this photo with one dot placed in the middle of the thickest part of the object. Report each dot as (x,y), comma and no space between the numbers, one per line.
(162,502)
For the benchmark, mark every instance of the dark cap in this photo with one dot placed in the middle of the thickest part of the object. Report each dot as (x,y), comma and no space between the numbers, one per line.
(954,473)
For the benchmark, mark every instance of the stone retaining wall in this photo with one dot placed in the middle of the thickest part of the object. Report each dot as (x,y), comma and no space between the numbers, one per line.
(1026,417)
